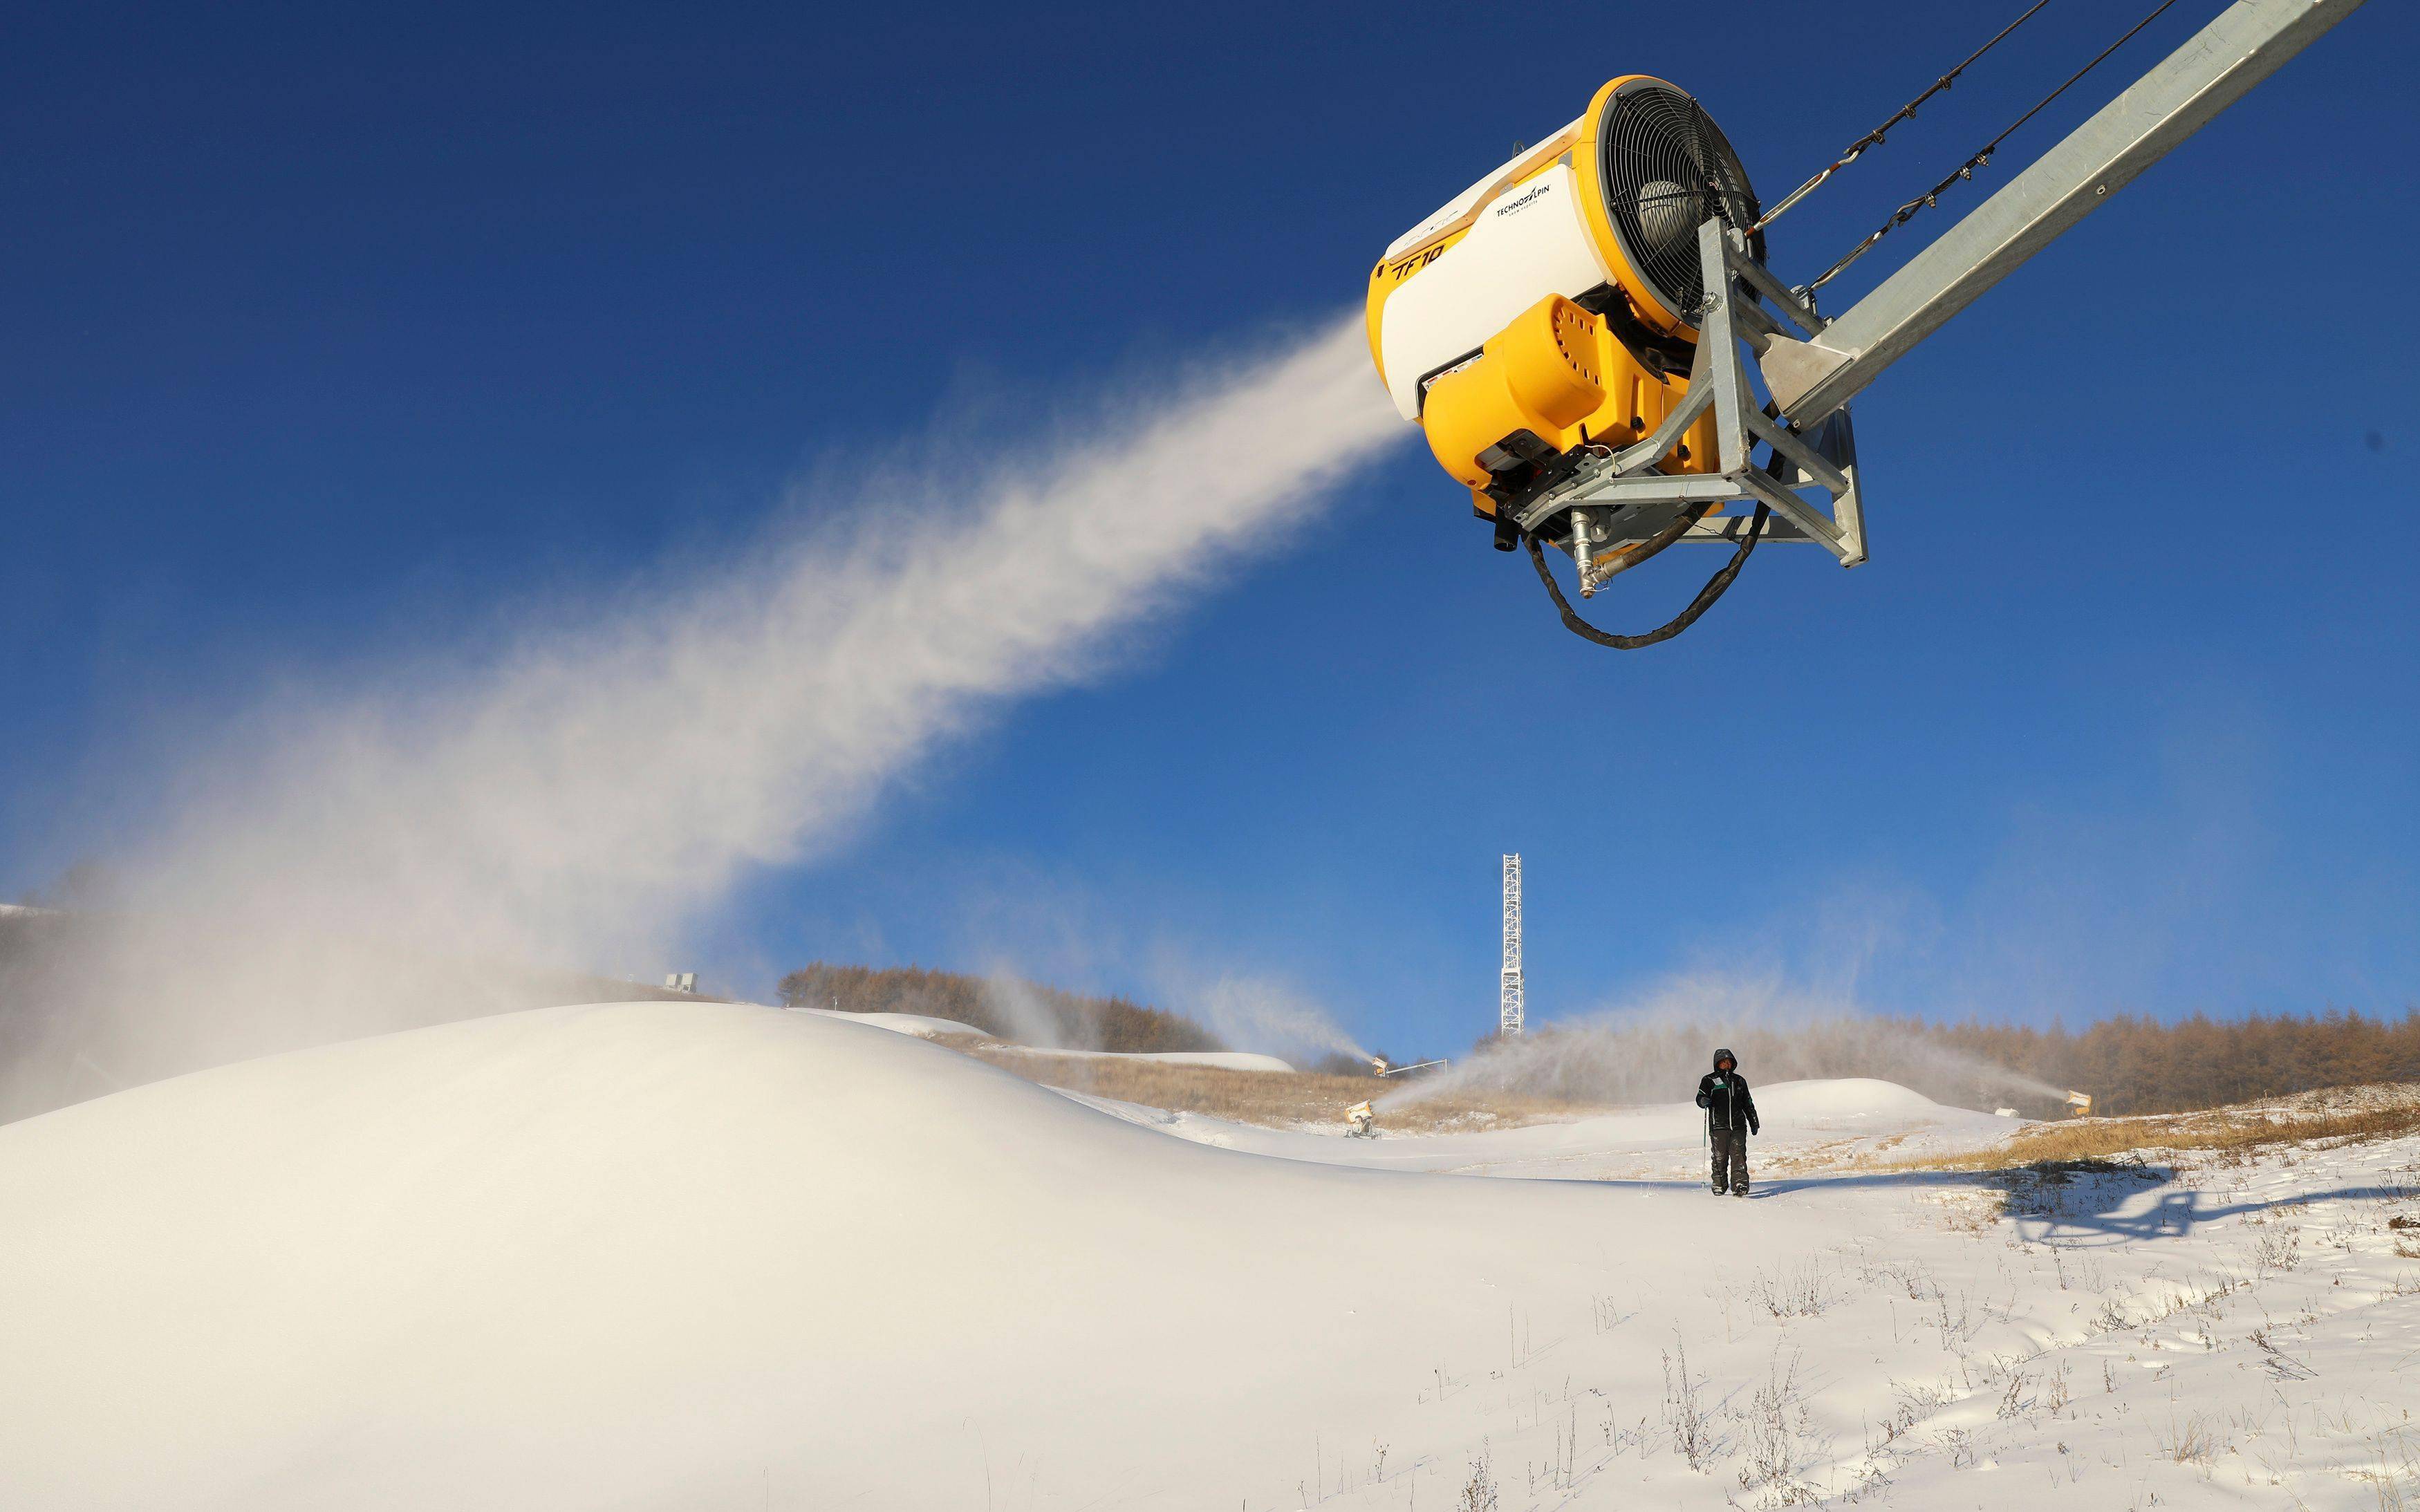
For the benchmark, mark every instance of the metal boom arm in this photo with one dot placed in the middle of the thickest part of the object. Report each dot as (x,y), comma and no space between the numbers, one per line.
(2248,42)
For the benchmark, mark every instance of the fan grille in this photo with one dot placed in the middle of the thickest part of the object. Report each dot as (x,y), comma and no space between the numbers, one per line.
(1667,166)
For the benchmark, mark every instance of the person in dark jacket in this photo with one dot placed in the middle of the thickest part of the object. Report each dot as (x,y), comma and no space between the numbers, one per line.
(1730,1118)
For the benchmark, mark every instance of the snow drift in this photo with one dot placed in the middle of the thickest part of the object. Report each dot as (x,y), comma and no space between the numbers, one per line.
(671,1256)
(658,1254)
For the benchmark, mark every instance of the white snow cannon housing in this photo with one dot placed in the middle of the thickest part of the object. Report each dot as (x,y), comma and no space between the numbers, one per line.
(1552,306)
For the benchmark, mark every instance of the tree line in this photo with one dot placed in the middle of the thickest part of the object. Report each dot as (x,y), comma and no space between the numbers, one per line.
(2134,1064)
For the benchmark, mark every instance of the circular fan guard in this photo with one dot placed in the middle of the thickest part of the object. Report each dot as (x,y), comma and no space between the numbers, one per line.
(1665,166)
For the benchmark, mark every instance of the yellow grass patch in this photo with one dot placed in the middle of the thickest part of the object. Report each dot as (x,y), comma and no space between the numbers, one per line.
(2340,1116)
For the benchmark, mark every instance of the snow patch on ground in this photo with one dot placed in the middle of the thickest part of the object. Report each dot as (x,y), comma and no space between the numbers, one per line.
(670,1256)
(1224,1059)
(926,1028)
(915,1023)
(1801,1120)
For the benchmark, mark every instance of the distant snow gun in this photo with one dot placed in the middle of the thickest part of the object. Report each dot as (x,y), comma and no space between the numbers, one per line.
(2079,1104)
(1581,334)
(1380,1066)
(1360,1121)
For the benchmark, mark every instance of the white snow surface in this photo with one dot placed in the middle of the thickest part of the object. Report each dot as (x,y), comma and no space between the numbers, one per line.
(1224,1059)
(1801,1120)
(915,1023)
(926,1028)
(674,1255)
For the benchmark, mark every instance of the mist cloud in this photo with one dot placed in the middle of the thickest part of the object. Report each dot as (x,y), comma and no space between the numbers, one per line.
(616,773)
(1653,1048)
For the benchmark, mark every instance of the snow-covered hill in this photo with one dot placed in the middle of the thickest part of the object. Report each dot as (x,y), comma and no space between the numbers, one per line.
(689,1256)
(1812,1123)
(926,1027)
(923,1026)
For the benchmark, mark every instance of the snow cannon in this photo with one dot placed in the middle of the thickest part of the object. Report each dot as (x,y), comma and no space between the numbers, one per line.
(1593,344)
(1360,1121)
(2079,1104)
(1549,313)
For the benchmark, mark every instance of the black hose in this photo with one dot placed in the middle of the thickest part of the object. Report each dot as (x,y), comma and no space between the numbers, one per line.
(1715,586)
(1678,527)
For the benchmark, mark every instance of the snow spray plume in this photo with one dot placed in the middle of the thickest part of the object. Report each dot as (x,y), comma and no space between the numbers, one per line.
(1254,1013)
(1029,1019)
(1655,1050)
(583,799)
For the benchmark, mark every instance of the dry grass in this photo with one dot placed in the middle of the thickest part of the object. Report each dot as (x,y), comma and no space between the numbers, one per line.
(1272,1099)
(1280,1100)
(2345,1116)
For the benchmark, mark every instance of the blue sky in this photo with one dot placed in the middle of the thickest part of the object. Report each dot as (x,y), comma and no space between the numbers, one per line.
(332,337)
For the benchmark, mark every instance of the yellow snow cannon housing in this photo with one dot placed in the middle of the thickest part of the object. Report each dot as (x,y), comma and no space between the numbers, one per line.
(1559,374)
(1550,306)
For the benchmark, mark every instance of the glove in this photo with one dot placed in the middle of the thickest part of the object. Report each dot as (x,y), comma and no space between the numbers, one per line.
(1756,1128)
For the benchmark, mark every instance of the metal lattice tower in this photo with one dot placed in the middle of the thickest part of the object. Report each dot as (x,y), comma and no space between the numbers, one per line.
(1507,1011)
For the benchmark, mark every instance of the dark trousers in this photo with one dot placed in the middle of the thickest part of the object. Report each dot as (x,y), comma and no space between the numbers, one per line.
(1731,1158)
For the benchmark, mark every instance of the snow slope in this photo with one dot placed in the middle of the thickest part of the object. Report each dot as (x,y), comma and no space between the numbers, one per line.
(1802,1120)
(645,1255)
(926,1028)
(1224,1059)
(918,1024)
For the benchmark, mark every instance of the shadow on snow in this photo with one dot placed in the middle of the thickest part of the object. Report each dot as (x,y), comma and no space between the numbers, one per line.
(2050,1205)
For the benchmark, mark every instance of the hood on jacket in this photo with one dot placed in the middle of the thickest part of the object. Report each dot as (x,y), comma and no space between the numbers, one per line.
(1721,1055)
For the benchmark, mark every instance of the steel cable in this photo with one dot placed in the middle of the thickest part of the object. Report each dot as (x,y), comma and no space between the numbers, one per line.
(1966,170)
(1875,137)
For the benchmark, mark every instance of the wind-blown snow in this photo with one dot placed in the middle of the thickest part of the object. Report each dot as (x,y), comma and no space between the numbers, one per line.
(674,1255)
(577,802)
(1221,1059)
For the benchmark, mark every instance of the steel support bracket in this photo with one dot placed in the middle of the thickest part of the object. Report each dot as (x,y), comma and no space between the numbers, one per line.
(1809,481)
